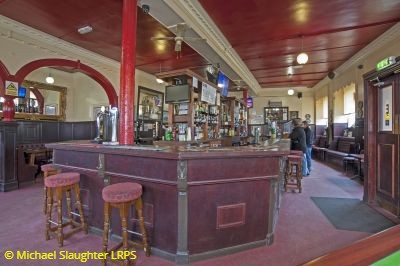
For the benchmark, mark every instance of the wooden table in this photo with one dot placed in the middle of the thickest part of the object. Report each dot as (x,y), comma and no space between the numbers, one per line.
(32,153)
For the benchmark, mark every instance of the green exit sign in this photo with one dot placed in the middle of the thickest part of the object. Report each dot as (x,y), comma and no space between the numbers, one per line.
(386,63)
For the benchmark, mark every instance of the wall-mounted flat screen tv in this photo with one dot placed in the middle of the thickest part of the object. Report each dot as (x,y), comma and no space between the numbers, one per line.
(223,83)
(21,92)
(177,93)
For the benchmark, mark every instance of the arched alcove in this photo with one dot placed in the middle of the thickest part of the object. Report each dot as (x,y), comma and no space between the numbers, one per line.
(77,65)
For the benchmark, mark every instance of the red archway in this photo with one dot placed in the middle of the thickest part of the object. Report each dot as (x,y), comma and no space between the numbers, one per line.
(94,74)
(4,74)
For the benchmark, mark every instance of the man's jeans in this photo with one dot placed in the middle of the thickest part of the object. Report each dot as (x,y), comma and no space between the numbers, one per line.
(305,167)
(308,157)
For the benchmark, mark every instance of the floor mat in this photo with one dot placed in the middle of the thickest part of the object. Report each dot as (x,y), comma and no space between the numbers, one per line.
(352,215)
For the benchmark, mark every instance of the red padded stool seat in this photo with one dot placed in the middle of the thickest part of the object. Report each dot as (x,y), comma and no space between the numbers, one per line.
(122,192)
(294,158)
(298,153)
(48,167)
(61,180)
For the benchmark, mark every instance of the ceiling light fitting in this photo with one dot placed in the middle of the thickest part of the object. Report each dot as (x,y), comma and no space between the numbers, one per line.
(159,81)
(290,92)
(302,58)
(49,79)
(85,29)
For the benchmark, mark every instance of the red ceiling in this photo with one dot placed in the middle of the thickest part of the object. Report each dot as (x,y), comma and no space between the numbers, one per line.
(63,18)
(267,34)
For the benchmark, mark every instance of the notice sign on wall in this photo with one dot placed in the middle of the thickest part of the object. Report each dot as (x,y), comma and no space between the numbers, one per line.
(385,108)
(208,94)
(11,88)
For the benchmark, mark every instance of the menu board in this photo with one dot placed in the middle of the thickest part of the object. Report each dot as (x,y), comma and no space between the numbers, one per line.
(208,93)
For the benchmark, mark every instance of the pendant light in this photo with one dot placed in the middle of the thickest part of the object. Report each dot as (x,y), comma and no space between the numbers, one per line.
(302,58)
(160,81)
(49,79)
(290,92)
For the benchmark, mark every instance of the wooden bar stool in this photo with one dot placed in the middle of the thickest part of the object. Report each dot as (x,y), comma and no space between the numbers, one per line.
(123,196)
(48,170)
(64,182)
(294,162)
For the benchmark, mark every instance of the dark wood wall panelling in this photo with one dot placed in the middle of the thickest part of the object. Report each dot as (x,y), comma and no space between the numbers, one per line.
(15,133)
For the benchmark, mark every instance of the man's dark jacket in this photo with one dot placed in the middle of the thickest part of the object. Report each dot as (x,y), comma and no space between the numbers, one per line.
(298,139)
(309,137)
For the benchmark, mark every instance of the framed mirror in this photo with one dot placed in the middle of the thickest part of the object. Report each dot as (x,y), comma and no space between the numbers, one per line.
(41,102)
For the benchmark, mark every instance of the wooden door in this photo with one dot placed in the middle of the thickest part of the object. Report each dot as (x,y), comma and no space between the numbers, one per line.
(387,145)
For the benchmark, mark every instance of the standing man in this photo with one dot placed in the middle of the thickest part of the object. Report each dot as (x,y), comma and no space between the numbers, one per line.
(298,142)
(309,143)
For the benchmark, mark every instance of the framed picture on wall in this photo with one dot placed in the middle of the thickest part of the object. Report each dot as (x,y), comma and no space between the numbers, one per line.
(50,109)
(293,114)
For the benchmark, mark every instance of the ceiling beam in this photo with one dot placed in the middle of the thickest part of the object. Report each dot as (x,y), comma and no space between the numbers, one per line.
(192,12)
(294,74)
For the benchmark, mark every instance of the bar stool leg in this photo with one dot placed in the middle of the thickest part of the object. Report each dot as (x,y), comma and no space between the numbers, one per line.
(60,234)
(79,205)
(69,207)
(48,212)
(123,211)
(139,209)
(45,200)
(287,173)
(299,174)
(107,213)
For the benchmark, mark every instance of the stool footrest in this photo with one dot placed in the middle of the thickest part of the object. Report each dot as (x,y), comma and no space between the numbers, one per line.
(134,233)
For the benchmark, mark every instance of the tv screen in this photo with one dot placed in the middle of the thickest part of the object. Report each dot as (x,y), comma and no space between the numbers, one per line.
(177,93)
(249,102)
(21,92)
(223,83)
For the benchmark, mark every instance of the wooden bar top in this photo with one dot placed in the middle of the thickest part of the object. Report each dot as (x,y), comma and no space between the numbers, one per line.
(266,149)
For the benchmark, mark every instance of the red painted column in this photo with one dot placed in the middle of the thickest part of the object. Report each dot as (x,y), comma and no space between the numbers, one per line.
(8,108)
(127,81)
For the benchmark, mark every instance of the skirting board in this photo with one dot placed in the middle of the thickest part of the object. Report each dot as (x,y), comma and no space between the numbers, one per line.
(196,257)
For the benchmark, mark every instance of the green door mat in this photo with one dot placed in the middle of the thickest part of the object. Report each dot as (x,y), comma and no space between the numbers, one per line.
(391,260)
(352,214)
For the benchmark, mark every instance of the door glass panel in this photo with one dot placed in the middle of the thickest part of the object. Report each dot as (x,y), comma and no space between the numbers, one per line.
(385,108)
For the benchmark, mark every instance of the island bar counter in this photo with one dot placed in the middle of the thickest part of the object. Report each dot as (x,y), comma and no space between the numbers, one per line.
(198,202)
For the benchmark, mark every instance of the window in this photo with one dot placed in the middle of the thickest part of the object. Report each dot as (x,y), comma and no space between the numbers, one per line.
(325,107)
(321,108)
(349,104)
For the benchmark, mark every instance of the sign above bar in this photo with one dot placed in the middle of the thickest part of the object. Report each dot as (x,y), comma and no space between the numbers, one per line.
(391,60)
(11,88)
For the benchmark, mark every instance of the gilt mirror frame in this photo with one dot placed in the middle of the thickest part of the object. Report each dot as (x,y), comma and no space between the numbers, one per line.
(62,105)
